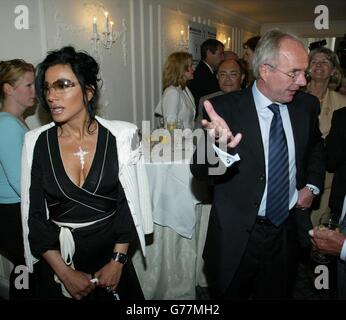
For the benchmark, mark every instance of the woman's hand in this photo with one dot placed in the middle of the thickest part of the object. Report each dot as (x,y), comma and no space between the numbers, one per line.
(77,283)
(109,275)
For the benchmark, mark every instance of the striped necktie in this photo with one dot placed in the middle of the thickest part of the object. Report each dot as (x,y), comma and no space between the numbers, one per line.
(343,225)
(277,206)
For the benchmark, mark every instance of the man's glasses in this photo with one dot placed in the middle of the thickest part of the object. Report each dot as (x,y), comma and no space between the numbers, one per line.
(292,74)
(230,75)
(60,86)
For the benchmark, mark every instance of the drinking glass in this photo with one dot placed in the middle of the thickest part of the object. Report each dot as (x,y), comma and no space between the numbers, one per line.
(171,126)
(180,124)
(325,222)
(171,123)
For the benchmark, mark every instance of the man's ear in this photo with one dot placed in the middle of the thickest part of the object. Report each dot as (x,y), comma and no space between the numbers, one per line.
(263,72)
(242,78)
(208,54)
(90,92)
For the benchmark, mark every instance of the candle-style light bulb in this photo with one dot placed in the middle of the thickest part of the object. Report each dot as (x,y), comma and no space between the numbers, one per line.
(228,42)
(111,33)
(107,22)
(94,26)
(182,32)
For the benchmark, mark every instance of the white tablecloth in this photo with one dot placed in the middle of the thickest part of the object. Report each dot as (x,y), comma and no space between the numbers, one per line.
(172,199)
(173,266)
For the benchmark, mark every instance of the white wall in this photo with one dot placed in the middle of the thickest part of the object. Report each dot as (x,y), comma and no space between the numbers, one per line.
(131,70)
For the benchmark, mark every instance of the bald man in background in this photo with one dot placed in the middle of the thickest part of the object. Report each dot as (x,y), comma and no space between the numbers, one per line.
(230,75)
(230,55)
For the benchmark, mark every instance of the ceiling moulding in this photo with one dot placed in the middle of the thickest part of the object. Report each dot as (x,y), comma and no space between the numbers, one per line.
(224,15)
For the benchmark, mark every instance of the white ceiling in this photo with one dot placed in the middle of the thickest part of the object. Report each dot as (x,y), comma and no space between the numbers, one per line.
(270,11)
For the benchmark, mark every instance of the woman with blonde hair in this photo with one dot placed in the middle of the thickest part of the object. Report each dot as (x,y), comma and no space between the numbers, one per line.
(177,102)
(17,93)
(324,76)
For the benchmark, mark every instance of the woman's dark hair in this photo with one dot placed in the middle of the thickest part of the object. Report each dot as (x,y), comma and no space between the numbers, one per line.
(251,43)
(83,66)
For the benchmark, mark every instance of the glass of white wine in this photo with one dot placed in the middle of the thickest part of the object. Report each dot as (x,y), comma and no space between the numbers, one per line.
(171,124)
(325,222)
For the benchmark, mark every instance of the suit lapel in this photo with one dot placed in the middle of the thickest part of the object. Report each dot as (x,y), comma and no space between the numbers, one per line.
(299,131)
(251,131)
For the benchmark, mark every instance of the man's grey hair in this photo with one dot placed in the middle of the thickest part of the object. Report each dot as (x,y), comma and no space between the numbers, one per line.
(267,49)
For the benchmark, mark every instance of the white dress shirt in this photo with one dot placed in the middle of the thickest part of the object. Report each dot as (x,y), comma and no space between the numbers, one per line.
(265,116)
(343,250)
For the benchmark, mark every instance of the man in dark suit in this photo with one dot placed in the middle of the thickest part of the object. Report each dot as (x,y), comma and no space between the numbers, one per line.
(204,78)
(252,234)
(330,241)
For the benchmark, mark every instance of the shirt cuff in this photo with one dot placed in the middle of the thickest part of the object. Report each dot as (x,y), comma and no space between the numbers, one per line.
(317,190)
(343,252)
(225,157)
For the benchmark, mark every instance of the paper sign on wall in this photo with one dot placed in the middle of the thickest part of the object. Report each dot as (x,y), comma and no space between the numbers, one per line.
(198,33)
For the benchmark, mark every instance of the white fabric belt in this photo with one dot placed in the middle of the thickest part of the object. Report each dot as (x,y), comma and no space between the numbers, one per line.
(67,245)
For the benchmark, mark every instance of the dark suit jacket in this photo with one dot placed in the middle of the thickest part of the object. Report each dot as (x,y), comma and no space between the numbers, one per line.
(336,160)
(204,82)
(238,192)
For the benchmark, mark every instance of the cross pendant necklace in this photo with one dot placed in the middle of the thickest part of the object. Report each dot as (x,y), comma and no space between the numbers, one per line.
(81,153)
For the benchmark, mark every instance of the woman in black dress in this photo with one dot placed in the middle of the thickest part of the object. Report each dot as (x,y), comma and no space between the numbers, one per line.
(79,218)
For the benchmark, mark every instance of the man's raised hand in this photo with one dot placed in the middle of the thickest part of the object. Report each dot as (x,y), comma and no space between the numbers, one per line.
(218,129)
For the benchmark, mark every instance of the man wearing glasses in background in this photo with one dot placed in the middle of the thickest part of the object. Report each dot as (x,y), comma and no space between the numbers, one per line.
(230,75)
(269,169)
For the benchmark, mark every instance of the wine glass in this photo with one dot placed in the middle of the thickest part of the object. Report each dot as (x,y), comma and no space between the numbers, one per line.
(180,124)
(171,126)
(171,123)
(325,222)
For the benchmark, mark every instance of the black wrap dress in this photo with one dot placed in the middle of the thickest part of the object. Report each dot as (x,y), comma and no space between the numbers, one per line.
(101,198)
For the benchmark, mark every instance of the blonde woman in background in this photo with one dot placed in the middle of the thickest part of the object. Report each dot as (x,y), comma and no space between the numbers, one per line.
(17,93)
(177,102)
(325,75)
